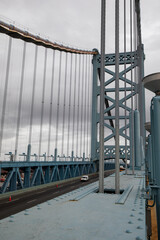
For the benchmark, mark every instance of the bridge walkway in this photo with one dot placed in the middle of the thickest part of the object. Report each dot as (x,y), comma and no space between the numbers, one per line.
(84,214)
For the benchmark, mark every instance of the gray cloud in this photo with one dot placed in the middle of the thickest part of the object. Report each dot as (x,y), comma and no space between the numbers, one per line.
(76,23)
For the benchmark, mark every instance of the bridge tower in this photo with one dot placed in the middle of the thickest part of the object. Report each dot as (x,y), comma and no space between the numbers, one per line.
(131,97)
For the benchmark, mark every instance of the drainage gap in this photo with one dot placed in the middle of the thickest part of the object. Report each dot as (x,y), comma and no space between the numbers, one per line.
(111,191)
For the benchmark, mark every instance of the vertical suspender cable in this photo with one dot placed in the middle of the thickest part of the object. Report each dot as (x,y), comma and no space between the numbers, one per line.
(74,102)
(82,92)
(51,104)
(58,100)
(64,106)
(125,86)
(5,92)
(20,101)
(78,108)
(69,112)
(132,115)
(117,183)
(90,104)
(85,107)
(102,75)
(33,94)
(42,108)
(135,47)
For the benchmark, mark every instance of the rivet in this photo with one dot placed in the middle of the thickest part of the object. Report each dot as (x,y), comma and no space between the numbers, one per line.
(140,219)
(138,238)
(133,210)
(131,215)
(130,222)
(139,227)
(141,213)
(128,231)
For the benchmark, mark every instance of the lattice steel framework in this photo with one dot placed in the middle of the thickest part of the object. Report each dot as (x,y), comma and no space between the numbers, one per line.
(131,88)
(20,175)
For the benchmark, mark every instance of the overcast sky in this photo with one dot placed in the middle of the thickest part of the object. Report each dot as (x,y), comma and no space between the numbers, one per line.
(77,24)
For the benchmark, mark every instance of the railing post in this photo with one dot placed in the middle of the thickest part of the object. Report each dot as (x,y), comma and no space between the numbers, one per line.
(28,153)
(72,154)
(55,154)
(83,157)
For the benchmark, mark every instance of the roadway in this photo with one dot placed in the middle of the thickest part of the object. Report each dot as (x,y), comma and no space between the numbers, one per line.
(25,200)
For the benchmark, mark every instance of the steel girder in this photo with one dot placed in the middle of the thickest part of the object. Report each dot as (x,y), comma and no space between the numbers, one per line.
(20,175)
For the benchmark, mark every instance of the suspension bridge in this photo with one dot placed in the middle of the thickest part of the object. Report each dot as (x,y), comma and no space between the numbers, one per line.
(67,112)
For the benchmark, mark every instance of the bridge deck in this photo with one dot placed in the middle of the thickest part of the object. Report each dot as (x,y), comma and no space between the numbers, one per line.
(84,214)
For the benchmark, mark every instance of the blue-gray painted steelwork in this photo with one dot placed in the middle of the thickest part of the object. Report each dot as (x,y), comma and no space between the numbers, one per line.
(131,61)
(152,159)
(149,160)
(155,135)
(137,139)
(19,175)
